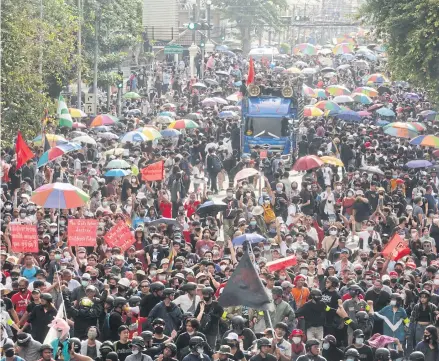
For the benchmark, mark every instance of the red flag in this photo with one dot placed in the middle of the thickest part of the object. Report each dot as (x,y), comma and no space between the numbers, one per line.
(153,172)
(251,72)
(281,263)
(23,151)
(396,248)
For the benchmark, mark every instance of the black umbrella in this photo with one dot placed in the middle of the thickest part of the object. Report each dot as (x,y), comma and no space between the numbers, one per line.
(384,89)
(163,220)
(211,207)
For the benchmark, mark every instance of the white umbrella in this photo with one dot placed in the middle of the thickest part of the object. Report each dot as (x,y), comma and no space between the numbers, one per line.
(133,137)
(309,71)
(343,99)
(199,85)
(84,139)
(220,100)
(77,133)
(208,102)
(211,81)
(115,151)
(245,173)
(236,97)
(108,135)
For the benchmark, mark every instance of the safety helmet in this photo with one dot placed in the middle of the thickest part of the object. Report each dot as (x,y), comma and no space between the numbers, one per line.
(158,321)
(168,292)
(277,290)
(110,300)
(171,346)
(352,353)
(316,294)
(282,325)
(46,346)
(46,296)
(263,342)
(196,342)
(330,339)
(362,316)
(358,333)
(207,291)
(382,354)
(134,301)
(297,332)
(85,302)
(119,302)
(147,335)
(156,286)
(425,292)
(310,343)
(107,345)
(75,343)
(417,356)
(238,324)
(138,341)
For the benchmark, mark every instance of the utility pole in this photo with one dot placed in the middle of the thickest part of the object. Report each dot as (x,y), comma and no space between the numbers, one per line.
(79,54)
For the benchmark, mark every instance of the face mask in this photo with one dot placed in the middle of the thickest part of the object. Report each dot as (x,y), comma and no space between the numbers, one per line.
(338,188)
(92,334)
(158,329)
(121,289)
(333,233)
(427,338)
(304,271)
(359,340)
(393,303)
(57,257)
(308,188)
(8,207)
(325,346)
(84,283)
(267,201)
(223,267)
(200,350)
(393,280)
(53,230)
(206,298)
(209,197)
(22,215)
(297,340)
(377,290)
(153,273)
(279,189)
(161,277)
(134,351)
(23,289)
(253,223)
(350,359)
(9,353)
(436,281)
(424,263)
(370,229)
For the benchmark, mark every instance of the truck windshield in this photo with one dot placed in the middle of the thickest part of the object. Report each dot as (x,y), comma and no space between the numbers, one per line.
(275,126)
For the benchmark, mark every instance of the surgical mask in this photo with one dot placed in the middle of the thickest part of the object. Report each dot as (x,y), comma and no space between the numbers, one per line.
(393,303)
(152,273)
(350,359)
(200,350)
(23,215)
(326,345)
(57,257)
(84,283)
(53,229)
(359,340)
(267,201)
(253,223)
(8,207)
(424,263)
(92,334)
(370,229)
(436,281)
(223,267)
(304,271)
(338,188)
(297,340)
(333,233)
(308,188)
(134,351)
(158,329)
(279,189)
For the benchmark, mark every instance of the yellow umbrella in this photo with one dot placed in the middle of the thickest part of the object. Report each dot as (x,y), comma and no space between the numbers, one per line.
(293,70)
(332,160)
(150,133)
(77,113)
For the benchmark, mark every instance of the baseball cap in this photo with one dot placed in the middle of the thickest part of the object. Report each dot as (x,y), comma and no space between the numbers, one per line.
(232,336)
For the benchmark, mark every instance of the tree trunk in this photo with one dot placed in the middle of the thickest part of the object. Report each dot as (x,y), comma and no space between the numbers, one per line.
(246,39)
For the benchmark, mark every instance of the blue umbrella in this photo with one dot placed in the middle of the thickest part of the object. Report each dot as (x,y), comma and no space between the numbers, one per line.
(419,163)
(382,123)
(170,133)
(250,237)
(222,48)
(228,114)
(349,116)
(117,173)
(230,53)
(386,112)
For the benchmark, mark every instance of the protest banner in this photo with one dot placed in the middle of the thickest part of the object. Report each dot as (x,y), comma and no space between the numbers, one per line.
(82,232)
(153,172)
(119,236)
(24,238)
(395,248)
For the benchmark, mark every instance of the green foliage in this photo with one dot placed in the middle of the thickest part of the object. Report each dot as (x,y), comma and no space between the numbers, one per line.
(411,30)
(251,15)
(25,92)
(285,48)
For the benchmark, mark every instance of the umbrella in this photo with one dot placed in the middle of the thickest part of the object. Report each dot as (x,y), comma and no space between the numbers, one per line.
(343,48)
(164,119)
(320,93)
(278,69)
(199,85)
(249,237)
(194,116)
(426,140)
(329,75)
(117,173)
(374,107)
(327,105)
(428,114)
(363,113)
(370,92)
(245,173)
(376,78)
(332,160)
(343,67)
(293,70)
(328,69)
(149,132)
(419,163)
(400,132)
(134,112)
(300,64)
(312,112)
(384,89)
(307,91)
(131,95)
(336,90)
(84,139)
(324,51)
(115,151)
(108,135)
(133,137)
(169,106)
(164,220)
(382,123)
(59,195)
(57,152)
(77,113)
(222,72)
(211,82)
(309,71)
(104,119)
(349,116)
(78,125)
(102,128)
(386,112)
(228,114)
(307,162)
(371,169)
(170,133)
(361,98)
(183,124)
(220,100)
(412,96)
(343,99)
(167,113)
(76,133)
(235,97)
(305,48)
(211,207)
(208,102)
(419,126)
(118,163)
(53,139)
(235,108)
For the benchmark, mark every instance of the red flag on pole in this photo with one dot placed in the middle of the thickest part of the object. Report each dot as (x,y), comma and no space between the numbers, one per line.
(251,72)
(396,248)
(153,172)
(23,151)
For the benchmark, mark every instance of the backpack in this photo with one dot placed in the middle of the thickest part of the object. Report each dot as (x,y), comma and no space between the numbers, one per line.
(217,165)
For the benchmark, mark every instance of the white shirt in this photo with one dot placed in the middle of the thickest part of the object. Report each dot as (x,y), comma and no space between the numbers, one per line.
(186,303)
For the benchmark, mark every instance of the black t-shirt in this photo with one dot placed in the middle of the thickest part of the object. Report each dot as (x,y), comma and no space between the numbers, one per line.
(280,206)
(156,253)
(331,299)
(372,196)
(232,206)
(123,350)
(259,357)
(362,211)
(211,316)
(157,341)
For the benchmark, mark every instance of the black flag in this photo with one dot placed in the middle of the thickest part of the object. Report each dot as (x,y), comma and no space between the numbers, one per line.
(245,288)
(46,143)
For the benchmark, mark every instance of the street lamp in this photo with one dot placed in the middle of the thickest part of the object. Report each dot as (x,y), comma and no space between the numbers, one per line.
(209,46)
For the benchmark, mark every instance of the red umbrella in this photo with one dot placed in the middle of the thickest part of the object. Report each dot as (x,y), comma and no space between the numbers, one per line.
(281,263)
(307,162)
(375,107)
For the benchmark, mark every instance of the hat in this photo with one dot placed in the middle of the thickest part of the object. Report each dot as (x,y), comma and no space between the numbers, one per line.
(286,284)
(164,260)
(257,211)
(232,336)
(344,250)
(359,192)
(124,282)
(86,277)
(393,274)
(225,350)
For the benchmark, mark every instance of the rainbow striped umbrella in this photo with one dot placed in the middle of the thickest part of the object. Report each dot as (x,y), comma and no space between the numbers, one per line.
(104,119)
(59,195)
(54,139)
(308,91)
(362,98)
(401,130)
(419,126)
(77,113)
(167,113)
(305,48)
(57,152)
(376,78)
(327,105)
(183,124)
(312,112)
(343,48)
(336,90)
(149,132)
(426,141)
(320,93)
(370,92)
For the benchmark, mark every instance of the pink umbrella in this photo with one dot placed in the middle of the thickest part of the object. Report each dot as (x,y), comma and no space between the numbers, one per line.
(245,173)
(363,113)
(307,162)
(79,125)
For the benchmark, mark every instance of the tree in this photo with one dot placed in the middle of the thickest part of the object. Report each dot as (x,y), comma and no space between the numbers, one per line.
(27,42)
(251,15)
(410,28)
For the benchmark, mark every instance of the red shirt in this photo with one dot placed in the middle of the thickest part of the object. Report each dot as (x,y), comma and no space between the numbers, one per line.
(20,302)
(135,325)
(191,208)
(166,209)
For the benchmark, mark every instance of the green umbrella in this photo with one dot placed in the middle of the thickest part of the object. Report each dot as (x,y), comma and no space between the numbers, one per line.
(131,95)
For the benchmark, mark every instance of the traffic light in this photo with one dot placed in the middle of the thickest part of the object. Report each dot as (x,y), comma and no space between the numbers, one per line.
(199,26)
(119,81)
(193,26)
(223,34)
(202,41)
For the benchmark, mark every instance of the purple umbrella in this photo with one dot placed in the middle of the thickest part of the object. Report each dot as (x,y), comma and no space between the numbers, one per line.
(412,96)
(419,163)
